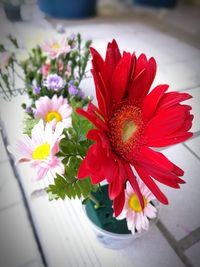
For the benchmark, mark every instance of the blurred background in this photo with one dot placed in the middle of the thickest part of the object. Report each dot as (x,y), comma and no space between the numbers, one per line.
(35,232)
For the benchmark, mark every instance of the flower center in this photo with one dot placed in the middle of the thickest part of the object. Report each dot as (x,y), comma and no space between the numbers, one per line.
(126,130)
(53,115)
(56,46)
(41,152)
(134,203)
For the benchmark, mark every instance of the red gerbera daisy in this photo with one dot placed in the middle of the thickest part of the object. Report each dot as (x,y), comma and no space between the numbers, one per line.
(129,121)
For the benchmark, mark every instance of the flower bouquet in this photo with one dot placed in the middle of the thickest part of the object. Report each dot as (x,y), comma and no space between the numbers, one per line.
(104,154)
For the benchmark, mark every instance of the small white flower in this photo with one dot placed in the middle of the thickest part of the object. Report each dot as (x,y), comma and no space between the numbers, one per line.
(137,219)
(56,109)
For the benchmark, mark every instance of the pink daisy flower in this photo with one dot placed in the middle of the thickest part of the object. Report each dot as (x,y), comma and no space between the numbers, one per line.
(56,109)
(54,48)
(137,219)
(40,149)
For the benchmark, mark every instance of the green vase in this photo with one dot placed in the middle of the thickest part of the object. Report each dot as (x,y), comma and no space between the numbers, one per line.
(112,233)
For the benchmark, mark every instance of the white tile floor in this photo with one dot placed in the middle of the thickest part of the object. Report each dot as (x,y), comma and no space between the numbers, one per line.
(193,144)
(65,236)
(17,243)
(193,254)
(10,193)
(180,217)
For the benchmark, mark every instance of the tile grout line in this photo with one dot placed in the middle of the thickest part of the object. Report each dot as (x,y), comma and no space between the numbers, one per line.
(174,244)
(191,151)
(24,199)
(189,240)
(10,206)
(29,263)
(196,134)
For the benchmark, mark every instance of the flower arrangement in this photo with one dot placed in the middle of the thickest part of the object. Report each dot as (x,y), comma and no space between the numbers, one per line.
(50,68)
(104,154)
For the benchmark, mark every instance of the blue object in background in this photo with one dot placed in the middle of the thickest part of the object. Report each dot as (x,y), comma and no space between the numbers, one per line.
(156,3)
(71,9)
(12,12)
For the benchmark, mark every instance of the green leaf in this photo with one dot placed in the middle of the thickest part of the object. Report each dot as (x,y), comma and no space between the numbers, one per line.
(29,123)
(81,126)
(67,146)
(59,188)
(64,187)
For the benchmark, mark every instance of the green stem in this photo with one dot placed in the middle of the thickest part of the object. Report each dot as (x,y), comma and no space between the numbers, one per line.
(95,201)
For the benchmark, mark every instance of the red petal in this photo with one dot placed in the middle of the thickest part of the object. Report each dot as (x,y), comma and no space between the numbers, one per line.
(169,140)
(93,134)
(118,203)
(167,178)
(132,179)
(120,78)
(151,184)
(156,158)
(93,117)
(101,93)
(172,98)
(116,186)
(111,172)
(112,57)
(152,100)
(144,75)
(165,122)
(83,171)
(97,61)
(92,162)
(97,177)
(178,171)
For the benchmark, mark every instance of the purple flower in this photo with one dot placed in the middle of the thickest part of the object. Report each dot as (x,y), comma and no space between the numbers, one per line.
(29,109)
(72,36)
(54,82)
(36,90)
(60,28)
(81,94)
(73,90)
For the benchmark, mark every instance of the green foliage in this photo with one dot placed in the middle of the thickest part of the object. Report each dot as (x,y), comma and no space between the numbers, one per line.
(29,123)
(29,70)
(64,187)
(73,148)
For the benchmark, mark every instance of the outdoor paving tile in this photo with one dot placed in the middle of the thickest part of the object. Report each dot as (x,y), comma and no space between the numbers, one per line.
(17,244)
(9,189)
(181,215)
(177,50)
(193,253)
(110,29)
(194,102)
(152,251)
(13,116)
(180,75)
(67,235)
(33,263)
(194,145)
(3,154)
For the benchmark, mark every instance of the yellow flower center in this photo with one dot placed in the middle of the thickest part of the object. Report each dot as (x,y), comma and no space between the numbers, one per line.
(56,46)
(53,115)
(134,203)
(41,152)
